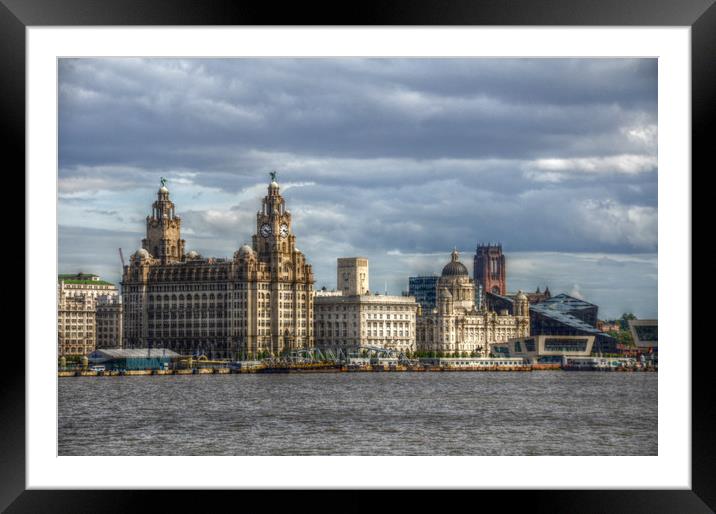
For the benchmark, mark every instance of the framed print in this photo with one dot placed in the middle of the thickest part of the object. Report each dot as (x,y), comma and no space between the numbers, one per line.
(501,194)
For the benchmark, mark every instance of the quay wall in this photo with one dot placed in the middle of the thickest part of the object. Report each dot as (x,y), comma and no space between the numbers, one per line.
(333,369)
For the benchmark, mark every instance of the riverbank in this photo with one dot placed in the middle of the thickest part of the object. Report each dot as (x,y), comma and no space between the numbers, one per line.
(337,369)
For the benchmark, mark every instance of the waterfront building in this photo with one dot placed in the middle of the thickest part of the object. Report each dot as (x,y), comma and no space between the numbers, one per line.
(133,359)
(425,290)
(77,296)
(490,268)
(544,349)
(561,315)
(357,318)
(258,302)
(456,326)
(645,333)
(108,321)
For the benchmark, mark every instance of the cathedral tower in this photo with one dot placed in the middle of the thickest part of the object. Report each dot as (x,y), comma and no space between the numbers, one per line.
(490,270)
(163,240)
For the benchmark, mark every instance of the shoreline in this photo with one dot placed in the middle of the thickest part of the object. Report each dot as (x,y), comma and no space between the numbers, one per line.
(228,371)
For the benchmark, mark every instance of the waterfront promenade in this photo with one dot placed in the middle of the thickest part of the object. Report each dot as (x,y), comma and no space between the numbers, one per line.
(332,368)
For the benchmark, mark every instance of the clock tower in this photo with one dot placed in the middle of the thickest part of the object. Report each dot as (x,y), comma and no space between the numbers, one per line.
(163,239)
(274,242)
(284,281)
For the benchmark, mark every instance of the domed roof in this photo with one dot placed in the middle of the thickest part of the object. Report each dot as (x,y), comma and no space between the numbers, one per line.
(454,268)
(142,254)
(246,250)
(193,255)
(520,295)
(273,185)
(164,189)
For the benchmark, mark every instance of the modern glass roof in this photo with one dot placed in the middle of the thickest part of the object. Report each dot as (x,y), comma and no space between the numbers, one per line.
(564,302)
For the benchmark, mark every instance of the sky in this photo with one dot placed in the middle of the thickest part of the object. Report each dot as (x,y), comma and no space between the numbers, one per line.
(397,160)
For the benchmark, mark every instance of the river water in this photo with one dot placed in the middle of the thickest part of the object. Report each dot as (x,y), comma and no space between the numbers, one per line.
(449,413)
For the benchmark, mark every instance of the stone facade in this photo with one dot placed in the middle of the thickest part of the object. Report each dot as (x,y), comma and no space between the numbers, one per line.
(366,320)
(108,322)
(457,326)
(539,296)
(163,239)
(352,317)
(260,301)
(352,275)
(77,299)
(490,268)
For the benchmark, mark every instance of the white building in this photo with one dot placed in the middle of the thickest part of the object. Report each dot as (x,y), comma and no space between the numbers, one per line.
(457,327)
(356,318)
(77,298)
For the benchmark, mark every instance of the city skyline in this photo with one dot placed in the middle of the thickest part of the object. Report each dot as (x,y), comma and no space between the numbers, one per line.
(376,160)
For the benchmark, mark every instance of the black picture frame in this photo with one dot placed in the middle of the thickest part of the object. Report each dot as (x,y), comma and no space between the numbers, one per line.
(700,15)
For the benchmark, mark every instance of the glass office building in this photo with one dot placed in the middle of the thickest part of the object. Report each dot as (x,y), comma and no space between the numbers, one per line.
(424,289)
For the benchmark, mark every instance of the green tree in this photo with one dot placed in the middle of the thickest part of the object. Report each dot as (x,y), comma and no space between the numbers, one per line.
(624,320)
(623,336)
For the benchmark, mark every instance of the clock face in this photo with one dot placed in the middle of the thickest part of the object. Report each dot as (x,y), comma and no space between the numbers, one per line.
(265,230)
(284,230)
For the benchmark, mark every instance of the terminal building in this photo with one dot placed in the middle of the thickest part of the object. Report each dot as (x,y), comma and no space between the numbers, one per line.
(561,315)
(258,302)
(544,349)
(352,317)
(133,359)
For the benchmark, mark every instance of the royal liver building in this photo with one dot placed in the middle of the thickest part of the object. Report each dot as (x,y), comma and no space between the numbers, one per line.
(260,301)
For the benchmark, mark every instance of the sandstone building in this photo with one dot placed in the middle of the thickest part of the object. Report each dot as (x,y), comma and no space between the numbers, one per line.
(457,326)
(108,322)
(77,299)
(258,302)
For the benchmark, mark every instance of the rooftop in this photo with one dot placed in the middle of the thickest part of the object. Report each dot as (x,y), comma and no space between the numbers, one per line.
(364,298)
(126,353)
(558,308)
(566,303)
(88,282)
(564,317)
(82,278)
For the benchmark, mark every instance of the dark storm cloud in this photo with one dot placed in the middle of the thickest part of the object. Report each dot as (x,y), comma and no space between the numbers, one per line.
(184,113)
(374,155)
